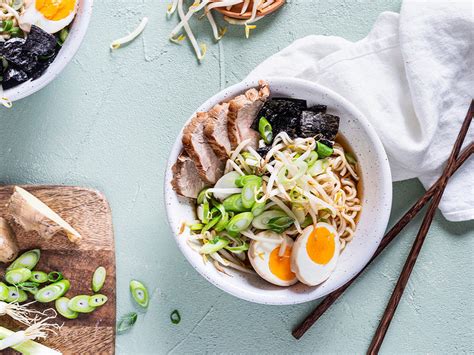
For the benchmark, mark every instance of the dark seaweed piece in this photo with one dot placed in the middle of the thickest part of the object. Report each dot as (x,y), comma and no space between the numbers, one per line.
(263,150)
(40,42)
(13,52)
(318,108)
(283,115)
(13,77)
(299,102)
(43,64)
(323,126)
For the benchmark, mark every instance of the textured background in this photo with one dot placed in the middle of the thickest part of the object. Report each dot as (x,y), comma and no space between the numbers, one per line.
(108,122)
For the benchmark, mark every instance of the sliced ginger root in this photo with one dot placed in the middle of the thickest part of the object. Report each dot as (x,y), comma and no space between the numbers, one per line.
(8,246)
(34,215)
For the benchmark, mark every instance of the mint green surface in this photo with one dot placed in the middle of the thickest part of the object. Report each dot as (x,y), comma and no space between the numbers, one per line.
(108,122)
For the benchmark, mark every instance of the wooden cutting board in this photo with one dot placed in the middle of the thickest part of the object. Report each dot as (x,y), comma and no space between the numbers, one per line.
(89,213)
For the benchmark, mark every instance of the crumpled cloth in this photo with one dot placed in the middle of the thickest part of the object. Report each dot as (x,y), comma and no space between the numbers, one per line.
(412,77)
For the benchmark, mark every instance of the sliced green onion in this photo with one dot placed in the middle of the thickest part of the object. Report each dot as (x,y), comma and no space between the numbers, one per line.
(211,224)
(351,159)
(234,203)
(205,213)
(98,279)
(258,208)
(3,291)
(196,226)
(16,295)
(27,260)
(126,322)
(97,300)
(240,222)
(240,248)
(220,226)
(226,182)
(323,150)
(318,167)
(245,179)
(55,276)
(202,197)
(15,32)
(39,276)
(249,193)
(311,159)
(80,304)
(265,129)
(63,34)
(139,293)
(29,286)
(175,317)
(52,292)
(6,25)
(61,305)
(214,245)
(17,276)
(280,224)
(262,221)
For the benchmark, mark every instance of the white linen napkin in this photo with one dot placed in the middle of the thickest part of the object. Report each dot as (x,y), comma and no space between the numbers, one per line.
(412,77)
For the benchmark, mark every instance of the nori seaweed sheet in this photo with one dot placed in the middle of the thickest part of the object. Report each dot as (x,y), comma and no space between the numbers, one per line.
(318,108)
(322,125)
(283,115)
(27,59)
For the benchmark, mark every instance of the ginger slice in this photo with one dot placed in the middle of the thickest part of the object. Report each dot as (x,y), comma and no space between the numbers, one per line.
(8,246)
(34,215)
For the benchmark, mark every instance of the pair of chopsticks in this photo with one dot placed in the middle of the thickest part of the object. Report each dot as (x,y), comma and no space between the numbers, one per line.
(435,193)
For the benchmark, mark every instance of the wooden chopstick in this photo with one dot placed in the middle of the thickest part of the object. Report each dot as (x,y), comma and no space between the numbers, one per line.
(327,302)
(420,238)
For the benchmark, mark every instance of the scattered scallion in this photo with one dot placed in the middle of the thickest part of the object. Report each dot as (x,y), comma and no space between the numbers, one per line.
(80,304)
(55,276)
(139,293)
(126,322)
(323,150)
(240,222)
(175,317)
(28,260)
(98,279)
(265,129)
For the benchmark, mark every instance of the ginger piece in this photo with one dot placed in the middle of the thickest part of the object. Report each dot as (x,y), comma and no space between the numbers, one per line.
(34,215)
(8,246)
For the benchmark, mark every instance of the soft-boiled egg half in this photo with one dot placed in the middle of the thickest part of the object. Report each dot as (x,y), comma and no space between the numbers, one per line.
(264,255)
(315,254)
(50,15)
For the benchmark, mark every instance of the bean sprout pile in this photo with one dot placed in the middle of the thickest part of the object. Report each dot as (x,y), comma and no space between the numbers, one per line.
(298,186)
(209,6)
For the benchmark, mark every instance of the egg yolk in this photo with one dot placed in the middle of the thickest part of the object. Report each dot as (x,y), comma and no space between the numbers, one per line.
(321,245)
(281,266)
(55,10)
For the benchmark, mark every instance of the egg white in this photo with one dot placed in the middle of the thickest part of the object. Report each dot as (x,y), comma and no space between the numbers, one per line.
(259,256)
(306,270)
(31,16)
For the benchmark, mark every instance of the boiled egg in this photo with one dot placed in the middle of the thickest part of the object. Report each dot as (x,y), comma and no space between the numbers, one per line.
(264,255)
(315,254)
(50,15)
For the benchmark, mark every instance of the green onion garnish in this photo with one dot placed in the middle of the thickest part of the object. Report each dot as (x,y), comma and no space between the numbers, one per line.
(265,129)
(175,317)
(126,322)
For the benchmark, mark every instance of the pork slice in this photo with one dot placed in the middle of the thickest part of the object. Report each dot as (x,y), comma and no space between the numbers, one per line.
(215,131)
(210,168)
(243,110)
(186,181)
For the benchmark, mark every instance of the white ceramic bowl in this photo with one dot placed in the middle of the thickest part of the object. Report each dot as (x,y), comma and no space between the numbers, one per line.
(376,200)
(70,47)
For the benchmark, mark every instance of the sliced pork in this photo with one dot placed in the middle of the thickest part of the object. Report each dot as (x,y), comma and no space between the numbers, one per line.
(209,167)
(216,130)
(186,181)
(242,112)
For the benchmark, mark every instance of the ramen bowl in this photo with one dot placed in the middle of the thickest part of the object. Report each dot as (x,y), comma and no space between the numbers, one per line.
(77,32)
(375,195)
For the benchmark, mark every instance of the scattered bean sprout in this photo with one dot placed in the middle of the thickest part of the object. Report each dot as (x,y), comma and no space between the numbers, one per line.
(130,37)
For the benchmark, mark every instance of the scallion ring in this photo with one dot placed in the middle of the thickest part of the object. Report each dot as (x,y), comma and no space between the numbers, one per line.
(98,279)
(97,300)
(55,276)
(52,292)
(61,305)
(39,276)
(80,304)
(28,260)
(139,293)
(175,317)
(17,276)
(126,322)
(265,129)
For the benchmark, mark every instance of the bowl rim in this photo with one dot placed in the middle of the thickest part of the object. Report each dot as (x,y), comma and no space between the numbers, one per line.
(61,61)
(386,184)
